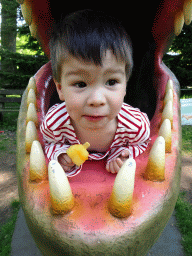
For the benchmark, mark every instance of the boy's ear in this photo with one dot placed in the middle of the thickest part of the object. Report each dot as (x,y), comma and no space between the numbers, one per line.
(59,90)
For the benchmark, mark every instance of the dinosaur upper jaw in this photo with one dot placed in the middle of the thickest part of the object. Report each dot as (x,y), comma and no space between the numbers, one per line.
(147,25)
(151,30)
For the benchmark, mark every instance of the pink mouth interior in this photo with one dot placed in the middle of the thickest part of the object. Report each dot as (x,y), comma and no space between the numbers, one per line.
(93,185)
(151,30)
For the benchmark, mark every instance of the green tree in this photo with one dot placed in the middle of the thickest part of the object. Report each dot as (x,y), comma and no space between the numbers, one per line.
(181,64)
(9,24)
(17,66)
(8,31)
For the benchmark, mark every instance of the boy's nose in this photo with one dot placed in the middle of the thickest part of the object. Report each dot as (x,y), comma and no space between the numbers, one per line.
(96,98)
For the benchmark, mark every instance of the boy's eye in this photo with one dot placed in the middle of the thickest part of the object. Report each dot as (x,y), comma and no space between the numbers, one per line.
(111,82)
(80,84)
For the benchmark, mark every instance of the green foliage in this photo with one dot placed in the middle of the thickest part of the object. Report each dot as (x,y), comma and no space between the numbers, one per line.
(24,63)
(26,43)
(181,64)
(17,67)
(22,66)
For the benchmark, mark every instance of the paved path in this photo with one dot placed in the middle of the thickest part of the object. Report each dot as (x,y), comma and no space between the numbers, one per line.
(167,245)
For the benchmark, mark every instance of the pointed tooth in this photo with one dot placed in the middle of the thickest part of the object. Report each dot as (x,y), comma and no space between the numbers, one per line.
(33,29)
(32,114)
(178,23)
(120,202)
(26,9)
(165,132)
(31,135)
(168,112)
(169,85)
(31,98)
(155,170)
(168,96)
(32,84)
(62,199)
(38,168)
(187,10)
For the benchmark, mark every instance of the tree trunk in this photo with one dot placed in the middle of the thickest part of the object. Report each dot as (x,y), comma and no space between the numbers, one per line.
(8,31)
(9,24)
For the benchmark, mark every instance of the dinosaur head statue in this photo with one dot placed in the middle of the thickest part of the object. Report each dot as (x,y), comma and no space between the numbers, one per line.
(90,224)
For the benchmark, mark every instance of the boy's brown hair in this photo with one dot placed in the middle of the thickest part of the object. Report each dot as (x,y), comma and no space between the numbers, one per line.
(88,35)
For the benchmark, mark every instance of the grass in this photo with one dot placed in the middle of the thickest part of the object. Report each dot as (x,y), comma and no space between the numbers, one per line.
(183,208)
(6,231)
(9,121)
(186,94)
(184,222)
(187,139)
(6,143)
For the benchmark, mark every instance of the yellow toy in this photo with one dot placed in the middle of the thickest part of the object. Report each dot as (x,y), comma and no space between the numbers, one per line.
(78,153)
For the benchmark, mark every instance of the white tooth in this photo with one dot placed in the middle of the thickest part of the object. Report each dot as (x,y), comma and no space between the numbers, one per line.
(32,84)
(33,29)
(26,9)
(165,132)
(32,114)
(31,135)
(155,170)
(168,96)
(62,199)
(169,85)
(178,23)
(120,202)
(38,168)
(168,112)
(31,98)
(187,9)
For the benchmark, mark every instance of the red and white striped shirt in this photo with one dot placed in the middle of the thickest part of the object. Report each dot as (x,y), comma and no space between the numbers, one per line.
(133,131)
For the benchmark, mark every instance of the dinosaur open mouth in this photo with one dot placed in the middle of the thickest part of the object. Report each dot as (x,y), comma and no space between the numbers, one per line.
(81,214)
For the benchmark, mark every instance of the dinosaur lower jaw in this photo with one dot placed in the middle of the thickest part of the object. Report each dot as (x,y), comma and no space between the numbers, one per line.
(88,221)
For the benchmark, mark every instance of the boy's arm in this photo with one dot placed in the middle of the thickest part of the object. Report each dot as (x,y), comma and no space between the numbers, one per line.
(54,148)
(137,144)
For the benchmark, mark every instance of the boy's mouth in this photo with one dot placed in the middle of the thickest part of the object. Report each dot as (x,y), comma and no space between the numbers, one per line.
(94,118)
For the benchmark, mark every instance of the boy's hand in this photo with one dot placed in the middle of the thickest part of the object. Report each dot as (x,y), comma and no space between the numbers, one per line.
(65,161)
(115,165)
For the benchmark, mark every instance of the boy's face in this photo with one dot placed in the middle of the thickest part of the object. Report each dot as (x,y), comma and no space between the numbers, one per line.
(93,94)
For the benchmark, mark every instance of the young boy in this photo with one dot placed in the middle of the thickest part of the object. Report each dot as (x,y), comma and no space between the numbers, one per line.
(91,58)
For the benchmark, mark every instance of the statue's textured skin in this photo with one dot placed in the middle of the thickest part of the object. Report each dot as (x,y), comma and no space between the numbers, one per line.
(90,228)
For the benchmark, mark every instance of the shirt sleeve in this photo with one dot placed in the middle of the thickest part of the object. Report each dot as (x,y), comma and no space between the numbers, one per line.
(54,148)
(137,144)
